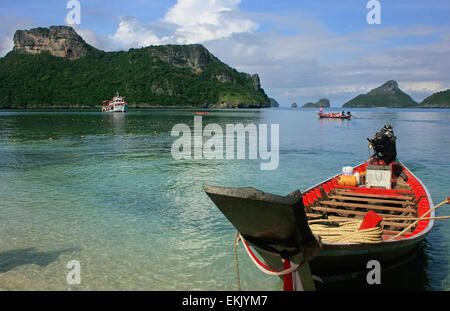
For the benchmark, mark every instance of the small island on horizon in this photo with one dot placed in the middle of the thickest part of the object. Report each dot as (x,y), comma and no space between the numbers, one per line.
(325,103)
(389,95)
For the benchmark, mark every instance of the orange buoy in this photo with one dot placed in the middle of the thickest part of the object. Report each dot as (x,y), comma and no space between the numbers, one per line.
(349,181)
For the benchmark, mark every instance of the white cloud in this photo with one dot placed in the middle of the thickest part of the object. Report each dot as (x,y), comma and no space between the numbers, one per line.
(8,26)
(187,22)
(6,44)
(425,86)
(131,33)
(203,20)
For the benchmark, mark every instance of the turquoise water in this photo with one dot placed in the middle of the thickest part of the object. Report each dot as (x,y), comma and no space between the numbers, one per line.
(105,190)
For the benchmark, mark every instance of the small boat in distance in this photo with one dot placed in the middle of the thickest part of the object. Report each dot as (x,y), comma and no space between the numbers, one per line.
(331,115)
(117,104)
(294,105)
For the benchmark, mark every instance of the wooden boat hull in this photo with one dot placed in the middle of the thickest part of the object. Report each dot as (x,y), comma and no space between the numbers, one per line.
(340,258)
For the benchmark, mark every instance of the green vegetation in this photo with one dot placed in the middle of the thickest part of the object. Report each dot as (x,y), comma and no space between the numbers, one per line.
(437,100)
(274,103)
(390,101)
(185,76)
(325,103)
(387,95)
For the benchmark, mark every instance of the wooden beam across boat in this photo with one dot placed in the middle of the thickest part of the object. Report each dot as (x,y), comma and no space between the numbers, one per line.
(373,195)
(360,198)
(394,224)
(369,206)
(385,223)
(344,211)
(390,232)
(368,190)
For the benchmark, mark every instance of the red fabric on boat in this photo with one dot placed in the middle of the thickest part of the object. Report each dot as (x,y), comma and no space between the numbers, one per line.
(287,279)
(371,220)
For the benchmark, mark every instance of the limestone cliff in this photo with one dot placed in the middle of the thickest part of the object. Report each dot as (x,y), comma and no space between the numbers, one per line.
(60,41)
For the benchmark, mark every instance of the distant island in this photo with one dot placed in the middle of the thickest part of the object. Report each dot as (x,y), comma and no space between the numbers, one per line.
(325,103)
(437,100)
(294,105)
(389,95)
(55,68)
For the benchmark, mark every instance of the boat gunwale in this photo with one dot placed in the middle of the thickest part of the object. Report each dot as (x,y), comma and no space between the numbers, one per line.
(418,236)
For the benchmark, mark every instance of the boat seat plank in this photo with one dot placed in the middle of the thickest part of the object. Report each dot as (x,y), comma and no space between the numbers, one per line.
(369,206)
(360,198)
(390,232)
(373,195)
(372,190)
(394,224)
(343,211)
(384,223)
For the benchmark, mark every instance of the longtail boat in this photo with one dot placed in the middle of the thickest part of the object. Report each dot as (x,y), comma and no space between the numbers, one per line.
(384,210)
(330,115)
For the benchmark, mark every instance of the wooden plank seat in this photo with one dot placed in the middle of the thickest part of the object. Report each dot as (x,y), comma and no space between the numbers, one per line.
(369,199)
(343,211)
(368,206)
(393,192)
(377,196)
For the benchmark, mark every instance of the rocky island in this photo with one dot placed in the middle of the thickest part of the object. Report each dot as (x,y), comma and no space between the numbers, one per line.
(325,103)
(437,100)
(55,68)
(388,95)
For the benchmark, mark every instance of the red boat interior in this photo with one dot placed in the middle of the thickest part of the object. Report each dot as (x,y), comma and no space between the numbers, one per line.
(406,198)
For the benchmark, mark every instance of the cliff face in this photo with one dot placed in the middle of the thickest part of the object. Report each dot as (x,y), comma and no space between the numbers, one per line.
(59,41)
(155,76)
(390,87)
(194,57)
(387,95)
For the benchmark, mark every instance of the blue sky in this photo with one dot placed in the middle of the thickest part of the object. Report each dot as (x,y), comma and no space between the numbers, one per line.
(302,50)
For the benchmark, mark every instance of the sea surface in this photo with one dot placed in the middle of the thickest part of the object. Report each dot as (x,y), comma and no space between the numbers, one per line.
(104,189)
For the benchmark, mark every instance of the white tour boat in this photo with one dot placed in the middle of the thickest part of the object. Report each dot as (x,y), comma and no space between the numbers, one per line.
(117,104)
